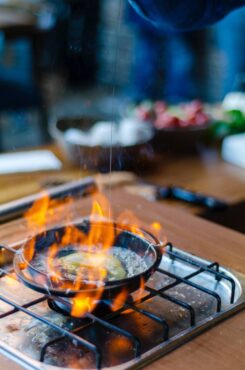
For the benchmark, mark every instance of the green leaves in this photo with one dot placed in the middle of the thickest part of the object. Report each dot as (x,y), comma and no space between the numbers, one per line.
(233,123)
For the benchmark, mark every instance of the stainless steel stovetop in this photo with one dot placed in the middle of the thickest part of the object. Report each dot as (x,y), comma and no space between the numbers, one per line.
(186,296)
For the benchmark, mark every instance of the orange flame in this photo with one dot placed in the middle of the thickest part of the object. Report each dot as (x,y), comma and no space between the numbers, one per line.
(130,222)
(157,230)
(139,294)
(119,300)
(83,304)
(90,276)
(45,212)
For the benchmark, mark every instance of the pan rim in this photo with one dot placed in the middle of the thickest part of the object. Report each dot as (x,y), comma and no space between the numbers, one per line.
(106,285)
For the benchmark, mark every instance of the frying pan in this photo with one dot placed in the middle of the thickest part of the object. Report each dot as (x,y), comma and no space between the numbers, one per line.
(145,245)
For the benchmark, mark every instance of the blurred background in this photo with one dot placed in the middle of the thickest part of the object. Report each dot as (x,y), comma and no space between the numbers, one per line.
(97,57)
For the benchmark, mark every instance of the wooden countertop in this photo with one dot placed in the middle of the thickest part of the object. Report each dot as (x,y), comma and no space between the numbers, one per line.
(205,172)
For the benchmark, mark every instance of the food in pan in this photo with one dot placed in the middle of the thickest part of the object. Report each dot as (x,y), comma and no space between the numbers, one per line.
(78,262)
(93,265)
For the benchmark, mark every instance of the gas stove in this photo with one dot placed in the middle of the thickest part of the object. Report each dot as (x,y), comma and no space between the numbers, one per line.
(184,297)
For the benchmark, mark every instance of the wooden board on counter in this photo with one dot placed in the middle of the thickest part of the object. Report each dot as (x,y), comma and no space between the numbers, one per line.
(222,347)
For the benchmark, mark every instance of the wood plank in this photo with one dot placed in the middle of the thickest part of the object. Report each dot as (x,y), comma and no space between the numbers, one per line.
(221,348)
(206,173)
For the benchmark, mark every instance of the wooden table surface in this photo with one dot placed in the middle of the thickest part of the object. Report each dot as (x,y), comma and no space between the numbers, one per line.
(222,347)
(206,173)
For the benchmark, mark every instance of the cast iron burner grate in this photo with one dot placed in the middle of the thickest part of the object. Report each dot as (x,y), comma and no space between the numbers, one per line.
(185,296)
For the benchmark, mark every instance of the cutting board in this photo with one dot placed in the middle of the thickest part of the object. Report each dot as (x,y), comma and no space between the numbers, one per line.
(220,348)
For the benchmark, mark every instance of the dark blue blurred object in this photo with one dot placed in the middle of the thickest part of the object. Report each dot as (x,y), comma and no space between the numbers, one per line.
(184,14)
(15,95)
(20,98)
(232,217)
(17,86)
(230,41)
(164,62)
(188,196)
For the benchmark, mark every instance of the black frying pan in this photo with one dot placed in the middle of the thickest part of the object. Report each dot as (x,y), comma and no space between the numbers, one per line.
(145,245)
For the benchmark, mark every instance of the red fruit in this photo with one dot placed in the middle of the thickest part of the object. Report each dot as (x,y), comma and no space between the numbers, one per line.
(175,121)
(197,105)
(166,120)
(160,107)
(145,114)
(201,119)
(184,123)
(194,107)
(191,120)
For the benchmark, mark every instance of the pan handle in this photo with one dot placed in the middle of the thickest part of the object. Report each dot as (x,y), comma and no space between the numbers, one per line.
(159,248)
